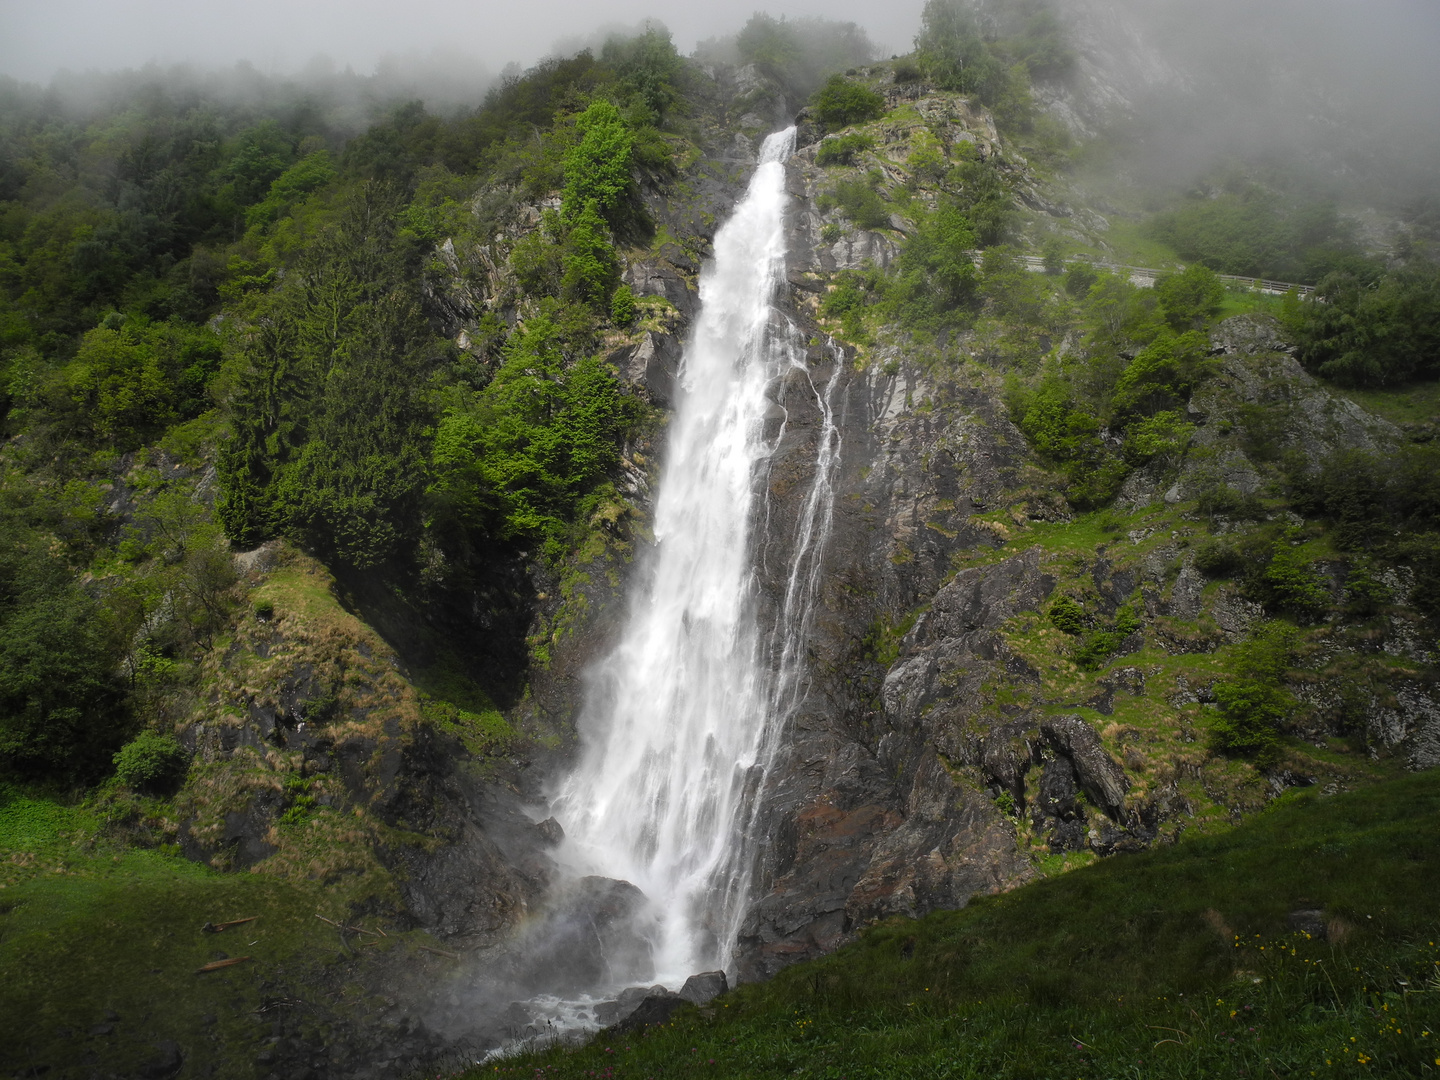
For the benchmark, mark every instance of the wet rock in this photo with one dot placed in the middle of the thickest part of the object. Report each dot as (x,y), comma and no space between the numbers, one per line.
(592,934)
(550,831)
(608,1013)
(705,987)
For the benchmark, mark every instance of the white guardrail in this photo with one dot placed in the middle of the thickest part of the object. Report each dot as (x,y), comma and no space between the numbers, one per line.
(1144,276)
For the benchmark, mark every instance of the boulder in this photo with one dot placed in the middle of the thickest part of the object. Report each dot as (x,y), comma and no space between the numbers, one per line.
(1309,921)
(653,1009)
(705,987)
(592,935)
(1099,774)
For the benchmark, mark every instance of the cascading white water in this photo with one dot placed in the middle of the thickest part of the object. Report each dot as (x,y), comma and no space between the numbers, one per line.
(684,714)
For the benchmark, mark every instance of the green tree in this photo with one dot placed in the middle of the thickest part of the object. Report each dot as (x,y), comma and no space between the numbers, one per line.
(1381,332)
(936,266)
(589,271)
(841,150)
(540,438)
(1164,435)
(1163,374)
(598,166)
(649,68)
(1190,299)
(859,201)
(62,707)
(328,437)
(354,489)
(120,386)
(1253,702)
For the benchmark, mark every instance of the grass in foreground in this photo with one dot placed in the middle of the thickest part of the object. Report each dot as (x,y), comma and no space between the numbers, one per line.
(101,946)
(1176,963)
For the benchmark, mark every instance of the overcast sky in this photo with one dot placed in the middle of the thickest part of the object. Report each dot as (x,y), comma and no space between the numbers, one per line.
(39,38)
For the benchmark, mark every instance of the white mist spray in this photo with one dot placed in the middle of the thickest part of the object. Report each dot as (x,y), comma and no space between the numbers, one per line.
(683,715)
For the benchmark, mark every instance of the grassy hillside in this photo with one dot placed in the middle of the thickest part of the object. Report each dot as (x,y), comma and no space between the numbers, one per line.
(1187,961)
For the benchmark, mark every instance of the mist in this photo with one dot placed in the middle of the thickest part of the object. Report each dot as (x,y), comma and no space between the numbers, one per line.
(1340,95)
(38,41)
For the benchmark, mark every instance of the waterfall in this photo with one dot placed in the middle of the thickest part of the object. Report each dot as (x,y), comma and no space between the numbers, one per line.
(683,717)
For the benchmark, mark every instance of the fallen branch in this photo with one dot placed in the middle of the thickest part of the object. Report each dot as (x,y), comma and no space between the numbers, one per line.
(218,964)
(219,927)
(332,922)
(438,952)
(362,930)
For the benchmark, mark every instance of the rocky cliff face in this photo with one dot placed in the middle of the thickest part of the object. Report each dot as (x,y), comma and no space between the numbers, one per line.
(932,757)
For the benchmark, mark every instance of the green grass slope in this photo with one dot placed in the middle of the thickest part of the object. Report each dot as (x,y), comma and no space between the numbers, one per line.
(1180,962)
(102,946)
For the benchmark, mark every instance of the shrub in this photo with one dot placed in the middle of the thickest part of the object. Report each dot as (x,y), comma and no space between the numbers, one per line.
(860,202)
(62,711)
(841,149)
(1289,582)
(853,292)
(537,259)
(1163,436)
(1219,500)
(1250,715)
(1365,594)
(1092,654)
(264,610)
(539,439)
(936,269)
(151,762)
(1216,559)
(831,232)
(841,102)
(1068,436)
(1254,703)
(622,306)
(926,160)
(1079,279)
(1164,373)
(907,71)
(1067,615)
